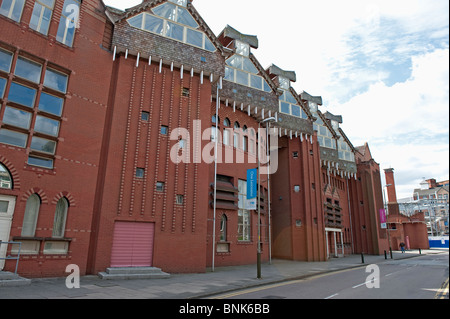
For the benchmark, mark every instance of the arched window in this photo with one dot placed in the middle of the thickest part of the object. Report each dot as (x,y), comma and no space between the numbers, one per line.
(214,119)
(237,126)
(226,122)
(59,223)
(31,216)
(6,181)
(223,228)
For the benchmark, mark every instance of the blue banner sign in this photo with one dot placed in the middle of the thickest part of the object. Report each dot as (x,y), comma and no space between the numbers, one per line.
(252,177)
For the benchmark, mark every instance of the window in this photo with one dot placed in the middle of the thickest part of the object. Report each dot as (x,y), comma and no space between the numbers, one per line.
(240,69)
(28,70)
(68,22)
(56,80)
(289,105)
(46,126)
(223,228)
(140,172)
(226,122)
(13,138)
(22,94)
(173,20)
(5,178)
(226,137)
(41,162)
(41,16)
(59,223)
(17,117)
(22,114)
(2,87)
(51,104)
(179,199)
(185,92)
(145,116)
(31,216)
(43,145)
(160,187)
(243,225)
(12,9)
(164,130)
(243,214)
(5,60)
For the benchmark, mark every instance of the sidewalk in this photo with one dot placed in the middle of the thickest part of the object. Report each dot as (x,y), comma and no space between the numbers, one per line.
(186,286)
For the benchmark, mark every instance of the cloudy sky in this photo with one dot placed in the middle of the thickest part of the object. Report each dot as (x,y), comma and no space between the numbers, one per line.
(381,64)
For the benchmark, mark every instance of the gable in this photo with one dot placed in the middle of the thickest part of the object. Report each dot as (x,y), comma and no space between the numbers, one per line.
(172,21)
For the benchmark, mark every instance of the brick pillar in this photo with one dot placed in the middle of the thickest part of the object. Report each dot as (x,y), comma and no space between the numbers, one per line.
(391,193)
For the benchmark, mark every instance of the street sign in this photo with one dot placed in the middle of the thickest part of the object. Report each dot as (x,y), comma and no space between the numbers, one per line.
(252,177)
(383,218)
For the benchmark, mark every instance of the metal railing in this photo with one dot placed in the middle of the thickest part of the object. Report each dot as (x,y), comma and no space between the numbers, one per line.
(11,257)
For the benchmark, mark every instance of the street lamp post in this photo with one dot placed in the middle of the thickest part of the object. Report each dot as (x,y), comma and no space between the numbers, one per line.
(259,251)
(386,207)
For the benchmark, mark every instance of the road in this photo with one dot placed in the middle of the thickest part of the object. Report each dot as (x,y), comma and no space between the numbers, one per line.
(424,277)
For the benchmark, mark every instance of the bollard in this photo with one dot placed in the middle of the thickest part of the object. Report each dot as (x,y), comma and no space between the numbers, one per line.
(420,251)
(385,254)
(362,258)
(390,249)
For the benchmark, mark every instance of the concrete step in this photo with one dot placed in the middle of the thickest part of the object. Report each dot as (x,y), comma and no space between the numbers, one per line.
(126,273)
(9,279)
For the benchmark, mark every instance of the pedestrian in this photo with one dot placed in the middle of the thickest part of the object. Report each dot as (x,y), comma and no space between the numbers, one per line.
(402,247)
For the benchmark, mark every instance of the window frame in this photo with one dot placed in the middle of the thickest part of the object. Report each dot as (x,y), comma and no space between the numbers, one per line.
(11,9)
(40,15)
(31,216)
(61,218)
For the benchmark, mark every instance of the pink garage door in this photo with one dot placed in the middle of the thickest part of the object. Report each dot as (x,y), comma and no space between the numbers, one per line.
(132,244)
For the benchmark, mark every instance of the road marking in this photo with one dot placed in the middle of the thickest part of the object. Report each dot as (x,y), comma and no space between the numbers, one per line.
(443,291)
(364,283)
(329,297)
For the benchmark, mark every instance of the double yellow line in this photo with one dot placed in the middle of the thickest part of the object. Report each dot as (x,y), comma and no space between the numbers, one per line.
(443,291)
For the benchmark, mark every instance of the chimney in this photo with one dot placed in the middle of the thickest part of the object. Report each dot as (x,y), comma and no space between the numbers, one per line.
(431,183)
(391,193)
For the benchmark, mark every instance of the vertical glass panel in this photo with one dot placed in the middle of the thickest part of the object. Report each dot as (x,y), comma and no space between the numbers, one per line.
(266,87)
(31,216)
(235,62)
(17,117)
(154,24)
(2,87)
(256,81)
(46,126)
(242,48)
(43,145)
(295,109)
(28,70)
(42,162)
(180,2)
(13,138)
(41,16)
(249,66)
(12,9)
(51,104)
(56,80)
(174,31)
(5,60)
(136,21)
(59,223)
(21,94)
(194,37)
(166,10)
(209,45)
(285,108)
(184,17)
(242,77)
(229,74)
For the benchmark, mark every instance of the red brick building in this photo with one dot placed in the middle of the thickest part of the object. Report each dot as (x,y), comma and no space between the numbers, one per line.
(108,129)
